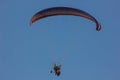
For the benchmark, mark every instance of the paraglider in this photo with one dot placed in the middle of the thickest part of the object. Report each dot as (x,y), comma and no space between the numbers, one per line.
(54,11)
(64,11)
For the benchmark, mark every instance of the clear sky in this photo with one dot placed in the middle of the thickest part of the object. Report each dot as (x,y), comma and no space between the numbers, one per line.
(28,53)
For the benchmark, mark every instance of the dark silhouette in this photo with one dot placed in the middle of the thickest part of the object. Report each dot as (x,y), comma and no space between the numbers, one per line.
(56,69)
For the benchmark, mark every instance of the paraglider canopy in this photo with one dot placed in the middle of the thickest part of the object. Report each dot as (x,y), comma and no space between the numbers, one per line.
(64,11)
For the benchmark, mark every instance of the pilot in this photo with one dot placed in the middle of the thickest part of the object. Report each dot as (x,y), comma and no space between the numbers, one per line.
(57,69)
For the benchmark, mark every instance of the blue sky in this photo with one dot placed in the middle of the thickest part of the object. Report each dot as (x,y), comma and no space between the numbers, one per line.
(28,53)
